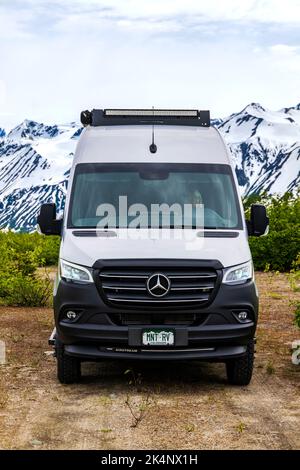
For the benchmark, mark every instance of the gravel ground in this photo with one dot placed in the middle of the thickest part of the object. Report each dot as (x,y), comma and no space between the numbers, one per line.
(153,406)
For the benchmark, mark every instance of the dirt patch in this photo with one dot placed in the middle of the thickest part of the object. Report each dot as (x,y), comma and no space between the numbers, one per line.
(183,406)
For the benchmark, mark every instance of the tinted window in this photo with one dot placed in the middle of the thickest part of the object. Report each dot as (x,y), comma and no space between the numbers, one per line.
(151,184)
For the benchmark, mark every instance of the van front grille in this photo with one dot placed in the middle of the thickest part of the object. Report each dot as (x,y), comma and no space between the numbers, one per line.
(157,287)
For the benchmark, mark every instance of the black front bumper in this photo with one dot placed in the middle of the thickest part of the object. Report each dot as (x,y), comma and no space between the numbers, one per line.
(221,353)
(95,335)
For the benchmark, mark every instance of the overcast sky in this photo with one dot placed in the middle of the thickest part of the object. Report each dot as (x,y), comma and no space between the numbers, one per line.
(59,57)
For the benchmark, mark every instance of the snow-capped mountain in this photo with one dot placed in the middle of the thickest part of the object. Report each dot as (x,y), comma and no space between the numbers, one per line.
(35,159)
(265,146)
(35,162)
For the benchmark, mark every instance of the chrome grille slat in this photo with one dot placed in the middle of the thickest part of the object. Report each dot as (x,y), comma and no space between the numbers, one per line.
(123,288)
(193,277)
(204,289)
(121,276)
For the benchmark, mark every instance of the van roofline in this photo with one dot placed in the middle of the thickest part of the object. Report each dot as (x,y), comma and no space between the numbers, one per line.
(95,141)
(118,117)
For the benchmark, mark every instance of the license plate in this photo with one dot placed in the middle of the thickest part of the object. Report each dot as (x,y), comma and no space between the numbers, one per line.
(155,337)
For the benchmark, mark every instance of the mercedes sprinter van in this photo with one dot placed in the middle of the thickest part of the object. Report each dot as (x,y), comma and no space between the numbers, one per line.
(154,259)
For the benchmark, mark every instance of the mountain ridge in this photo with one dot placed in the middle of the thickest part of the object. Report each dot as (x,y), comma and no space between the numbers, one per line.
(35,159)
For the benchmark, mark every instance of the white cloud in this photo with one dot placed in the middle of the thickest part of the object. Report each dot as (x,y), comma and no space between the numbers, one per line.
(18,17)
(60,57)
(286,57)
(261,10)
(284,49)
(13,24)
(2,93)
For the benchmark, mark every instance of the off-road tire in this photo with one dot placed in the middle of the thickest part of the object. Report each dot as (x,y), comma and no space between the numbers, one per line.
(239,371)
(68,367)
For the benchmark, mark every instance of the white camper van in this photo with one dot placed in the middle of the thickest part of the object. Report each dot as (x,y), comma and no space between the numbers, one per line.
(154,259)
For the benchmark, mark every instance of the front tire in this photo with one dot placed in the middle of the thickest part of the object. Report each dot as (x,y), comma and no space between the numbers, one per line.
(68,367)
(239,371)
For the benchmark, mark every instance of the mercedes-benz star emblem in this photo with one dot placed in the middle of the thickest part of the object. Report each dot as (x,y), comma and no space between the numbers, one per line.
(158,285)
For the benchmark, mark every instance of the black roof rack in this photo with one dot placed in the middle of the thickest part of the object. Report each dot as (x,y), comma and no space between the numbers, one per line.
(118,117)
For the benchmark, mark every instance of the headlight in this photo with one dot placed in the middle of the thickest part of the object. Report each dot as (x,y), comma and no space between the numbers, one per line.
(75,273)
(238,274)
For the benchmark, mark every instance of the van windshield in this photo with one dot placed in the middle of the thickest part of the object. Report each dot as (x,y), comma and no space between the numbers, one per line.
(149,195)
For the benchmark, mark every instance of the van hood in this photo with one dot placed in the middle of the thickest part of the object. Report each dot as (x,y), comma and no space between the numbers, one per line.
(86,247)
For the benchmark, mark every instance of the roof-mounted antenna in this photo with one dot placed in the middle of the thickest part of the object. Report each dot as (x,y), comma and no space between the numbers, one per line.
(153,147)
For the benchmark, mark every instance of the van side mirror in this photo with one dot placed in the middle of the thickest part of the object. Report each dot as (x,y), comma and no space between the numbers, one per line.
(259,221)
(47,221)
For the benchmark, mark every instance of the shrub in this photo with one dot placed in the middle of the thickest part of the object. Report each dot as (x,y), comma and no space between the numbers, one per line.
(29,291)
(45,248)
(277,250)
(294,276)
(19,281)
(49,249)
(297,314)
(280,249)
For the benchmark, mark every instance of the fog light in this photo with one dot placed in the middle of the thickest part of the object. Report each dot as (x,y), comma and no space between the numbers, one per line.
(71,315)
(242,316)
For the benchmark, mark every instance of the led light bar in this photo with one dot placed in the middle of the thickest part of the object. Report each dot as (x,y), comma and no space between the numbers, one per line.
(152,112)
(123,117)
